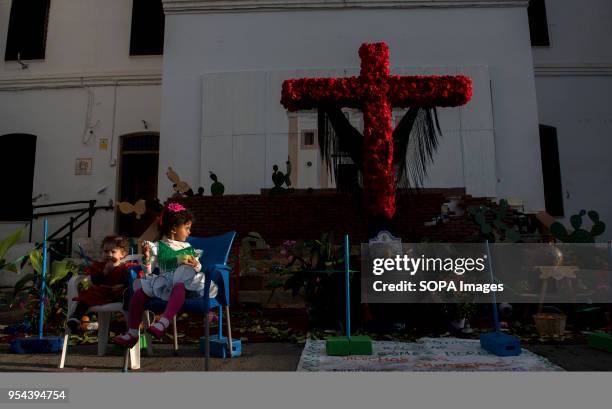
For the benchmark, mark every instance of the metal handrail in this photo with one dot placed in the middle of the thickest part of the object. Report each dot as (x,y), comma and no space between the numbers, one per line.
(55,213)
(90,211)
(62,203)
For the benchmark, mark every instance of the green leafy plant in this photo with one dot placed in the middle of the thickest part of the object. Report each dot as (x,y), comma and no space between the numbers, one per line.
(460,310)
(5,245)
(313,270)
(310,261)
(27,290)
(492,225)
(579,235)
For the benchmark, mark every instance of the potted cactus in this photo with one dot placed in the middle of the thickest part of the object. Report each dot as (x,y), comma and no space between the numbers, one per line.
(579,235)
(497,230)
(596,340)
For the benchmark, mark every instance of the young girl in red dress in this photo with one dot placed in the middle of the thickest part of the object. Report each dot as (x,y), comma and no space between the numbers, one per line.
(109,279)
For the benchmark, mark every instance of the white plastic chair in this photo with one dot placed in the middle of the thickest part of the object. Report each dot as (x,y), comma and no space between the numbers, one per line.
(104,315)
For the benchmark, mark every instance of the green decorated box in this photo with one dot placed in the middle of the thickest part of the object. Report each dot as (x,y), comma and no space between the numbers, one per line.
(361,345)
(337,346)
(341,346)
(600,340)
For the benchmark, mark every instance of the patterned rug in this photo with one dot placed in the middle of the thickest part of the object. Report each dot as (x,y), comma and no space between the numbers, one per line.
(428,354)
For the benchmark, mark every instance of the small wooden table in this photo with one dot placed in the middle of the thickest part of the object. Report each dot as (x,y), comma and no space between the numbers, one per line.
(557,273)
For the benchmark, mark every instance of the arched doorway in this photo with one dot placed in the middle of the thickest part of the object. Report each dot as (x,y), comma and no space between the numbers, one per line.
(137,179)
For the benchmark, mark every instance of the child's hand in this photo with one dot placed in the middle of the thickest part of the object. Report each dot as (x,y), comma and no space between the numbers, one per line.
(84,284)
(146,249)
(192,261)
(188,259)
(146,252)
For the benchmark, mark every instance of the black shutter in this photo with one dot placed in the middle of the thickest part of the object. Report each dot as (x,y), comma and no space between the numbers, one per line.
(551,171)
(27,33)
(538,23)
(147,36)
(17,158)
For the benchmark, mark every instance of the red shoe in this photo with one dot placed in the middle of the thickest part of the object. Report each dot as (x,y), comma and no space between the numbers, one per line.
(128,342)
(157,333)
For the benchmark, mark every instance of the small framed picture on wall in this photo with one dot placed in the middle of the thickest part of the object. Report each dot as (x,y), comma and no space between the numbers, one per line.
(83,166)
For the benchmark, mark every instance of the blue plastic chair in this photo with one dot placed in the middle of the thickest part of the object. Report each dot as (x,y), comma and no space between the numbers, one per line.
(216,250)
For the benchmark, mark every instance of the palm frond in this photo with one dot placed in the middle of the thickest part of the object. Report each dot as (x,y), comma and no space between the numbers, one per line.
(415,141)
(336,137)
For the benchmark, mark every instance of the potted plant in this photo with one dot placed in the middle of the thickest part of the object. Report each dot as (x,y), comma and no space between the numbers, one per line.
(312,270)
(5,245)
(27,290)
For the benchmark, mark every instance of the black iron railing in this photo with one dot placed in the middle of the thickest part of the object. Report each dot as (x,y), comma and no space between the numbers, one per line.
(66,231)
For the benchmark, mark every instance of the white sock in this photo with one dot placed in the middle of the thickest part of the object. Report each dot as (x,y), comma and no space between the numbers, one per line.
(164,322)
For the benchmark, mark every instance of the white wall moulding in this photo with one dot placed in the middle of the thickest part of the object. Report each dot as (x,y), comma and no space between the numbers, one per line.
(573,70)
(76,80)
(211,6)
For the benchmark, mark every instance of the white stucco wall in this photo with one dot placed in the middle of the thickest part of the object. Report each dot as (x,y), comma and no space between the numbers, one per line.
(498,38)
(581,110)
(57,117)
(580,32)
(82,36)
(573,83)
(87,48)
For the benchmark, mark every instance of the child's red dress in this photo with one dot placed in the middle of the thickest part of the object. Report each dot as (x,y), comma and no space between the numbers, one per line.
(106,288)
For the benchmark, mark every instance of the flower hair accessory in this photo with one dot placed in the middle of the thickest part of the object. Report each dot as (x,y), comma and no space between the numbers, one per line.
(176,207)
(172,207)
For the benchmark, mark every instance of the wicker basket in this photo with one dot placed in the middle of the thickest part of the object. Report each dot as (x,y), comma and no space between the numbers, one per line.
(550,323)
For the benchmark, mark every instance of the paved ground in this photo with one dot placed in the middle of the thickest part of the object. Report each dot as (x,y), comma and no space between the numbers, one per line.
(255,357)
(574,357)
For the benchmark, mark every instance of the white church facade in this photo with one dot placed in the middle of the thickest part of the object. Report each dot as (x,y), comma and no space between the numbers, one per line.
(103,94)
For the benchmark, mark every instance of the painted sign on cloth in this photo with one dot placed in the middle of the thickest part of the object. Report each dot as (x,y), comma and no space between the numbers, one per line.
(429,354)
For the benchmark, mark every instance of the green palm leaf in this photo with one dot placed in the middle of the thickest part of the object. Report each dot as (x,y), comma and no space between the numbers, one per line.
(9,241)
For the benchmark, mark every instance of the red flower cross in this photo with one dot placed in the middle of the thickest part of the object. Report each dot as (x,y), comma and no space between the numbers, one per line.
(375,92)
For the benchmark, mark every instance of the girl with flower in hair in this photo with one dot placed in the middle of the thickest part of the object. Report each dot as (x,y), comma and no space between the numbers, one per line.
(179,274)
